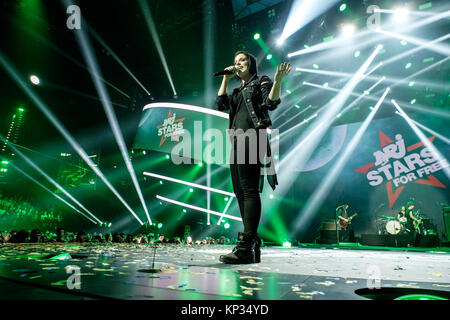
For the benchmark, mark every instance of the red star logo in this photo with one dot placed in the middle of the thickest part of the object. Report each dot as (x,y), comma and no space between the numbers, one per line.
(163,138)
(393,195)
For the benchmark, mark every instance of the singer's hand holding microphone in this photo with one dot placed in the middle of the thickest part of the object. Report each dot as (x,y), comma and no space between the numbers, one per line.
(228,72)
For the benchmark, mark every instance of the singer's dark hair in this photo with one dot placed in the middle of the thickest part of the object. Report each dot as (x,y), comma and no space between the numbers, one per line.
(253,67)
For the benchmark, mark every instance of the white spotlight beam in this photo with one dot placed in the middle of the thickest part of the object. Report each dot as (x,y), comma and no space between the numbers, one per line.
(328,88)
(321,192)
(306,139)
(364,95)
(119,61)
(372,70)
(434,133)
(405,80)
(412,13)
(91,61)
(376,84)
(427,110)
(60,127)
(394,81)
(414,50)
(429,84)
(51,192)
(368,34)
(303,12)
(280,112)
(295,116)
(436,154)
(197,208)
(312,136)
(154,33)
(191,184)
(441,49)
(49,179)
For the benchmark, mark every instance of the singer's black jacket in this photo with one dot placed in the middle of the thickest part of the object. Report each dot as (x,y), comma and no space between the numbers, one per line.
(254,95)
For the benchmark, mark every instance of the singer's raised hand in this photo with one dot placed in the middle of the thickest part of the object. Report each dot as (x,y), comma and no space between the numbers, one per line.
(282,71)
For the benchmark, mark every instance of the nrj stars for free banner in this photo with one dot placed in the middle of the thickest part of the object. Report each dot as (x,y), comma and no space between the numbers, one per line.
(389,167)
(396,165)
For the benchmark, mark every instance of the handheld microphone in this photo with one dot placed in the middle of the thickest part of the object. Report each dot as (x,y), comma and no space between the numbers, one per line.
(224,72)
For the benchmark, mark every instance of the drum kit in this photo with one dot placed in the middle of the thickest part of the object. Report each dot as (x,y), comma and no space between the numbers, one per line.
(395,226)
(392,225)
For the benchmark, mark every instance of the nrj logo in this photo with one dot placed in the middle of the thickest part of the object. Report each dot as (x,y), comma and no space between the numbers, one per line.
(399,165)
(170,128)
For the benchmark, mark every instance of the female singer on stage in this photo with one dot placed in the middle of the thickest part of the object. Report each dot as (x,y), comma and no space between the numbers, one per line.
(248,107)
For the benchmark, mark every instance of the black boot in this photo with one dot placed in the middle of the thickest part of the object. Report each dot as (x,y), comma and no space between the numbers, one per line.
(244,252)
(257,249)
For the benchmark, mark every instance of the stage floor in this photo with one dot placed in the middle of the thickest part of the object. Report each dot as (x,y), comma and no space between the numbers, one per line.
(125,271)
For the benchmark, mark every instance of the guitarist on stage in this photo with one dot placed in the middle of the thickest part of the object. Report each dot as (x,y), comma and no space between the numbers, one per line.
(344,221)
(413,224)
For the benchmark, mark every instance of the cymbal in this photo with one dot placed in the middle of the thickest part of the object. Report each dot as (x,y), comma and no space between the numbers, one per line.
(389,218)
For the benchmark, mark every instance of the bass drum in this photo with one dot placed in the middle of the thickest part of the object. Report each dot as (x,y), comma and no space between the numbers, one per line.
(393,227)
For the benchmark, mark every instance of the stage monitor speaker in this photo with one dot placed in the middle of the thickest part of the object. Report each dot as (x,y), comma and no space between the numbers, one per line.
(446,213)
(428,241)
(384,240)
(327,237)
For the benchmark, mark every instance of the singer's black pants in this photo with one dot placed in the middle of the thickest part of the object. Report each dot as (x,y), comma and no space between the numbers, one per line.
(245,179)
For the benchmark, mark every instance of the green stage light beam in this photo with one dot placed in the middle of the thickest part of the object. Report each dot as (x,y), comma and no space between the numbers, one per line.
(197,208)
(49,44)
(89,57)
(114,55)
(52,193)
(225,210)
(436,154)
(59,126)
(79,93)
(49,179)
(154,33)
(273,60)
(287,244)
(438,135)
(318,196)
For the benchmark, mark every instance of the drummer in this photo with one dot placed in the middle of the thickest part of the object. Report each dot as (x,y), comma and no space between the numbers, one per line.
(401,216)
